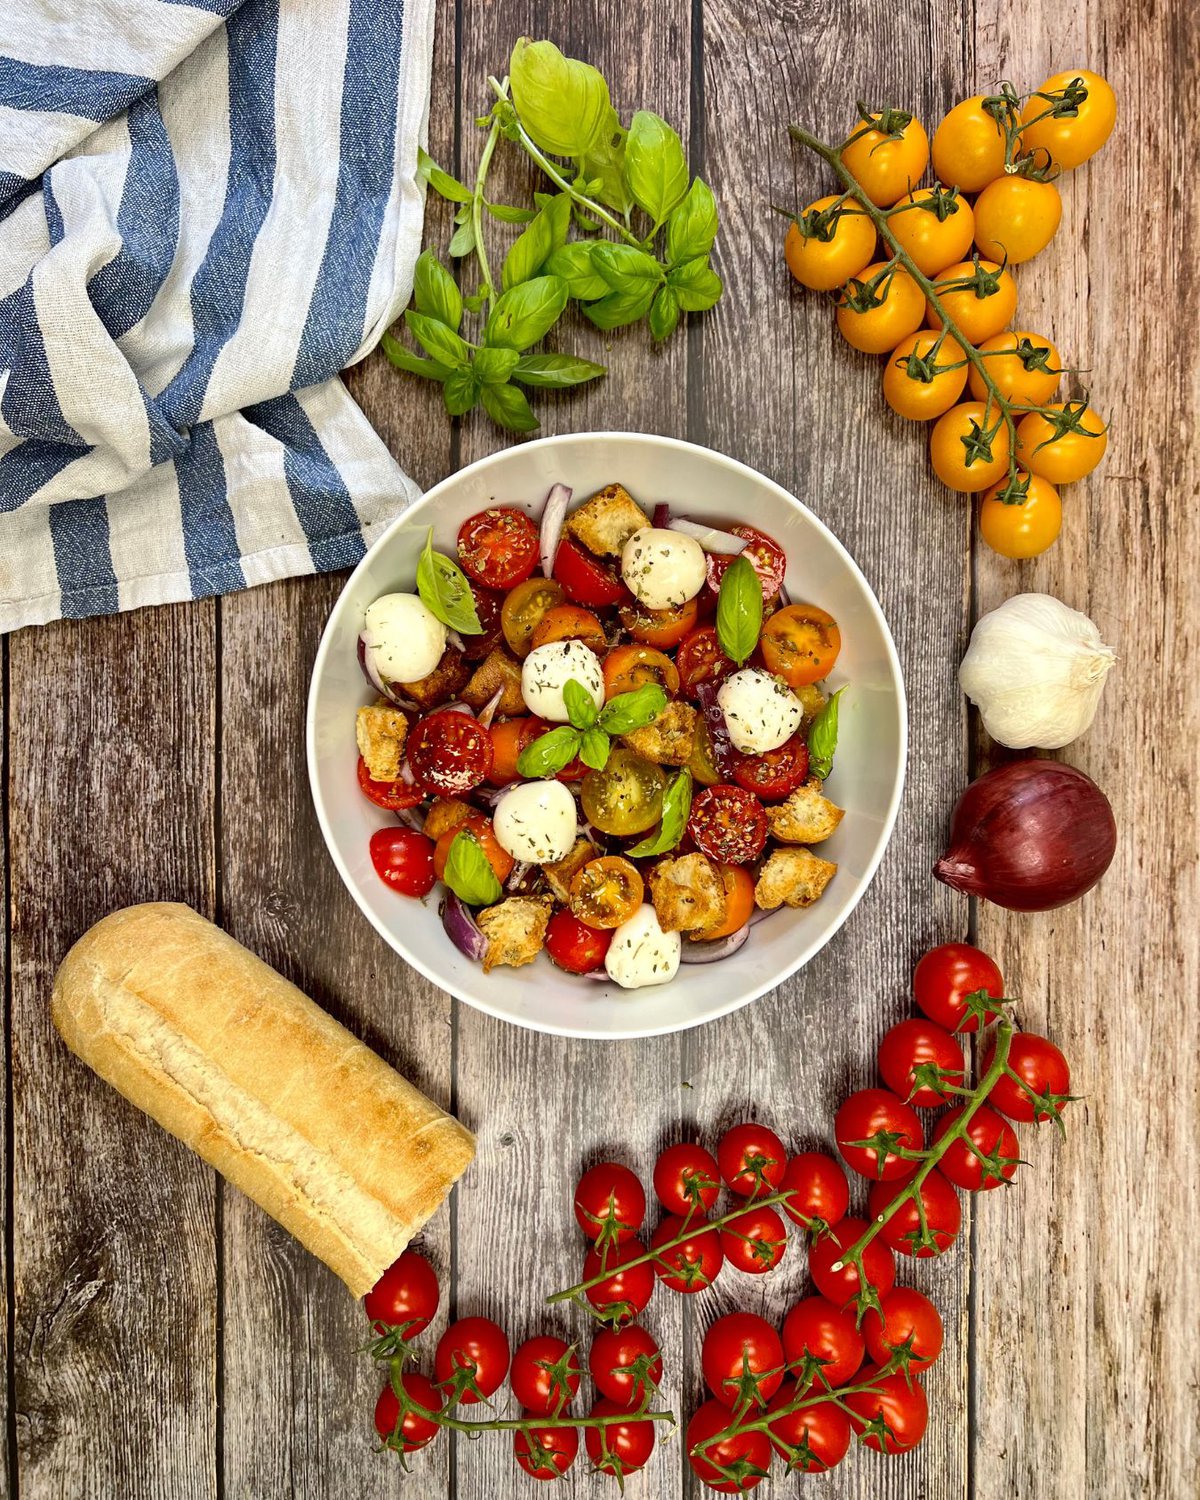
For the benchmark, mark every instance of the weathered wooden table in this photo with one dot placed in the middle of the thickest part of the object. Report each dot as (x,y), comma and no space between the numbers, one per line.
(164,1339)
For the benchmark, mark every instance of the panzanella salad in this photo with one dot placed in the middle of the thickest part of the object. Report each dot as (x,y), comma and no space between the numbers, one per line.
(604,735)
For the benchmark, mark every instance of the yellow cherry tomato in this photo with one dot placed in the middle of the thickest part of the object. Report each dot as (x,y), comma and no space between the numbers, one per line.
(1015,218)
(889,156)
(934,227)
(828,243)
(1064,444)
(1075,123)
(978,296)
(1025,368)
(968,447)
(879,306)
(968,147)
(1025,527)
(919,384)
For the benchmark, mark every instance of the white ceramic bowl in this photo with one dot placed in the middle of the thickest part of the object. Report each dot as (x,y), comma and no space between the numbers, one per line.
(866,781)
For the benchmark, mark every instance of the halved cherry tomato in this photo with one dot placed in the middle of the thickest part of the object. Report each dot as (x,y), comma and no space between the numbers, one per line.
(607,891)
(570,622)
(1065,444)
(921,384)
(979,296)
(487,607)
(660,627)
(449,752)
(775,774)
(1016,218)
(498,547)
(525,609)
(1025,367)
(969,447)
(509,738)
(762,552)
(968,147)
(888,156)
(728,824)
(700,659)
(934,227)
(739,902)
(404,860)
(1022,528)
(910,1323)
(702,761)
(394,795)
(1070,128)
(575,946)
(801,643)
(828,243)
(585,579)
(632,666)
(499,858)
(627,796)
(874,315)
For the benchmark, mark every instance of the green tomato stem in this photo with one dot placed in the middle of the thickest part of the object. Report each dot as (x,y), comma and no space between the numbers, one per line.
(477,201)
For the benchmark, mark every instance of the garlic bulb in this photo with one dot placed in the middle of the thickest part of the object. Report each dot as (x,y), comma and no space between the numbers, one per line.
(1035,669)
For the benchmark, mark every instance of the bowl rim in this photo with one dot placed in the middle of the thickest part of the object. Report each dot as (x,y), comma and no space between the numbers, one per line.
(403,520)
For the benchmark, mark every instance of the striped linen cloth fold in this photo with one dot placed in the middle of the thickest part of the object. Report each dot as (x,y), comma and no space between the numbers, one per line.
(207,210)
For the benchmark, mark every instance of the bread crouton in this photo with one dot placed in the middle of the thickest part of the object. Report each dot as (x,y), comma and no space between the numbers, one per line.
(792,877)
(688,893)
(559,876)
(806,817)
(669,740)
(497,670)
(515,931)
(443,683)
(812,699)
(606,522)
(445,814)
(381,729)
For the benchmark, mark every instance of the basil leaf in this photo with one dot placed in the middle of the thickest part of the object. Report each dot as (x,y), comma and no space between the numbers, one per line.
(462,241)
(696,284)
(445,592)
(460,392)
(507,213)
(620,308)
(629,711)
(574,264)
(469,873)
(664,314)
(549,753)
(626,269)
(594,748)
(435,291)
(494,366)
(562,103)
(555,372)
(509,408)
(823,738)
(405,359)
(581,706)
(436,339)
(692,227)
(526,313)
(531,249)
(677,804)
(656,169)
(739,610)
(441,182)
(603,167)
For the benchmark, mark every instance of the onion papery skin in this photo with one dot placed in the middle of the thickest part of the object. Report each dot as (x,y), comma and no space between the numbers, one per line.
(1031,835)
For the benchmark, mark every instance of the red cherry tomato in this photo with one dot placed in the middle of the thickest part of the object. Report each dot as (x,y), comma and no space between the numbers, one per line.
(488,604)
(700,659)
(546,1452)
(728,824)
(844,1286)
(752,1160)
(742,1360)
(449,752)
(415,1431)
(818,1192)
(686,1179)
(817,1329)
(499,547)
(610,1203)
(775,774)
(1042,1067)
(545,1375)
(394,795)
(887,1124)
(625,1364)
(624,1292)
(405,1298)
(911,1323)
(403,860)
(480,1348)
(919,1060)
(619,1448)
(585,579)
(575,946)
(764,555)
(747,1453)
(696,1263)
(992,1158)
(813,1439)
(947,976)
(755,1241)
(899,1403)
(903,1232)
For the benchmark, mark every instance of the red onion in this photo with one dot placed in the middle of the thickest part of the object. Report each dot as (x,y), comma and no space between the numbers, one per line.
(1030,835)
(554,513)
(711,952)
(366,661)
(488,712)
(724,755)
(660,517)
(462,928)
(711,538)
(411,817)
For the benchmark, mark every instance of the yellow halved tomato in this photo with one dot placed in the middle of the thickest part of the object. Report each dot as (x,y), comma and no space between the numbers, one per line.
(979,296)
(1015,218)
(660,627)
(828,243)
(1073,125)
(570,622)
(968,447)
(888,156)
(1064,444)
(1025,528)
(879,307)
(523,609)
(934,227)
(968,147)
(800,643)
(739,902)
(919,384)
(607,891)
(1025,368)
(701,762)
(632,666)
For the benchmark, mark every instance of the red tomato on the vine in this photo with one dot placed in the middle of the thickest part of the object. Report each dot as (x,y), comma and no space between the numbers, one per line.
(745,1455)
(687,1179)
(610,1203)
(1044,1071)
(892,1417)
(755,1241)
(621,1447)
(415,1430)
(405,1297)
(845,1286)
(872,1128)
(624,1292)
(625,1364)
(818,1192)
(816,1329)
(546,1452)
(903,1231)
(752,1160)
(951,975)
(813,1439)
(991,1158)
(545,1375)
(472,1356)
(921,1061)
(742,1360)
(696,1263)
(909,1323)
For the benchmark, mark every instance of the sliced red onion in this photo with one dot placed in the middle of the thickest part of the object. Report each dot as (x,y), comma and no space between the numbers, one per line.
(784,597)
(724,755)
(601,974)
(517,874)
(711,538)
(457,708)
(488,796)
(760,914)
(462,928)
(366,660)
(411,817)
(661,517)
(406,774)
(454,639)
(553,515)
(488,712)
(709,953)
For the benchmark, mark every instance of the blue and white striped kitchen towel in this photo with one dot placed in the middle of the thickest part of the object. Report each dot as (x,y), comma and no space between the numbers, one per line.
(207,209)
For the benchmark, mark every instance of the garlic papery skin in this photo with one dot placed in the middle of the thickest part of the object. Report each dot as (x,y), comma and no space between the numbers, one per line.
(1035,669)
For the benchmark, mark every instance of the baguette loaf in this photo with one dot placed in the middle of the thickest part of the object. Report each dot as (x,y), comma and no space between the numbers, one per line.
(227,1055)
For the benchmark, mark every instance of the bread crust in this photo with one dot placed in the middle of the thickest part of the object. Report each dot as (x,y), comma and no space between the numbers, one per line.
(262,1083)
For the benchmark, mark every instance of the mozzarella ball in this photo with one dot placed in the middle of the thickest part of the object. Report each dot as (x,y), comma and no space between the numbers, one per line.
(535,821)
(761,711)
(548,669)
(664,569)
(405,639)
(641,953)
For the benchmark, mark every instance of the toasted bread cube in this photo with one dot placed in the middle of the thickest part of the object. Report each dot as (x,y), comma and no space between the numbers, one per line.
(515,931)
(559,876)
(443,683)
(688,893)
(497,670)
(670,739)
(792,877)
(445,814)
(812,699)
(606,522)
(806,817)
(381,729)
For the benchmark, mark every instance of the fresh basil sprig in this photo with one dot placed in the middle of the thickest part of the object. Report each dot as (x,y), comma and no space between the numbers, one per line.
(549,753)
(589,733)
(677,804)
(580,705)
(469,873)
(445,592)
(739,610)
(633,710)
(823,738)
